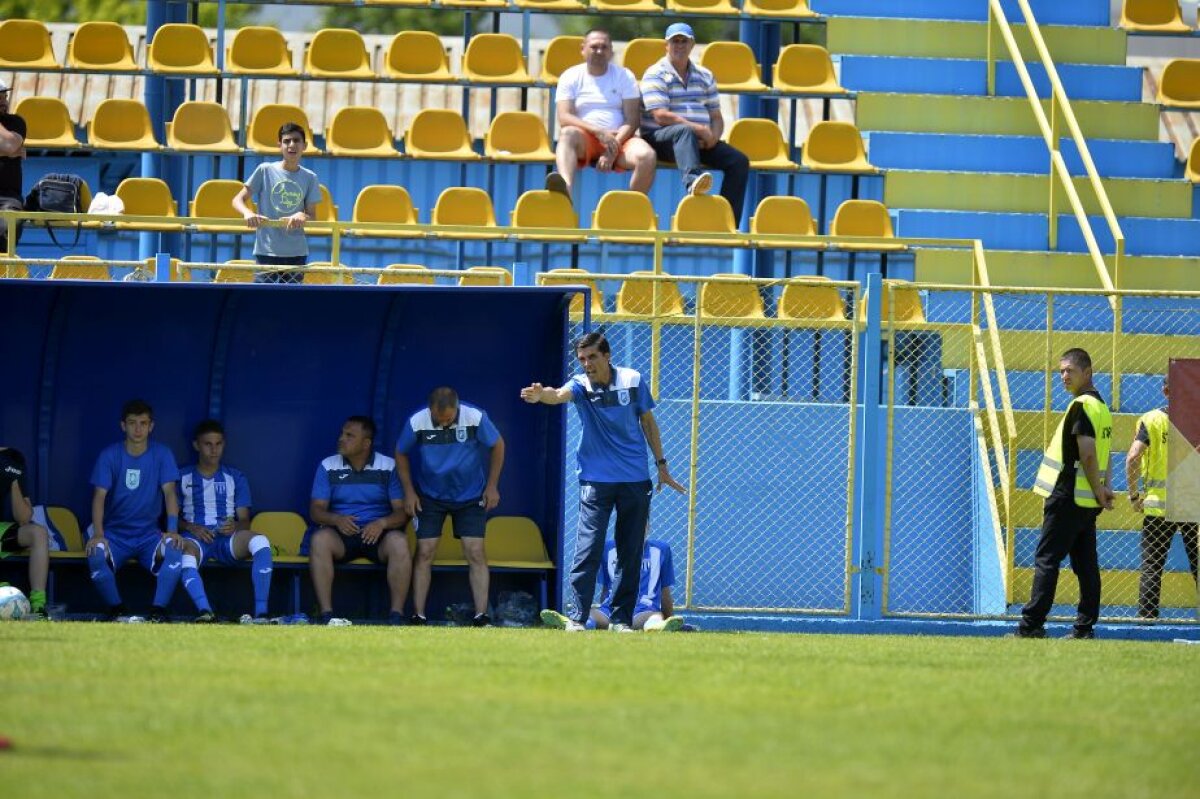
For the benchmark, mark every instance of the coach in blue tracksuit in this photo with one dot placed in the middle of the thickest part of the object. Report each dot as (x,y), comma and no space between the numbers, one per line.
(615,409)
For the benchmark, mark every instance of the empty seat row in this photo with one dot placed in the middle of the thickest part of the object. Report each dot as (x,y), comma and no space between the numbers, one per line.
(363,131)
(1153,16)
(334,53)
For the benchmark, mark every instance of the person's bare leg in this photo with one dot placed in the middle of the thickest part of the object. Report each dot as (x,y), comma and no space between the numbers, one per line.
(393,552)
(638,157)
(422,573)
(325,547)
(478,572)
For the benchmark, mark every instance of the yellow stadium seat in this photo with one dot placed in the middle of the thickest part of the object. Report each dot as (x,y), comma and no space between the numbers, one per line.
(576,277)
(25,44)
(785,216)
(67,524)
(325,278)
(176,272)
(469,207)
(325,211)
(701,6)
(804,301)
(48,123)
(286,532)
(417,55)
(546,209)
(80,267)
(1180,84)
(762,142)
(214,200)
(739,300)
(778,8)
(411,3)
(641,54)
(180,49)
(100,45)
(516,542)
(436,133)
(550,5)
(387,204)
(486,276)
(733,66)
(518,136)
(628,7)
(235,275)
(264,128)
(907,301)
(474,3)
(624,210)
(259,50)
(147,197)
(835,147)
(338,53)
(864,218)
(495,58)
(1153,16)
(562,53)
(121,125)
(360,131)
(201,126)
(1193,163)
(704,213)
(405,274)
(806,69)
(636,297)
(18,270)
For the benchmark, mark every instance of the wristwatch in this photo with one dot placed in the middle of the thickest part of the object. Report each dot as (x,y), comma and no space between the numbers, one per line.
(661,462)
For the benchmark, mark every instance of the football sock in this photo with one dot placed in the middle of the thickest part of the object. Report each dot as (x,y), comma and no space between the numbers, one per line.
(37,600)
(260,572)
(193,584)
(103,577)
(168,576)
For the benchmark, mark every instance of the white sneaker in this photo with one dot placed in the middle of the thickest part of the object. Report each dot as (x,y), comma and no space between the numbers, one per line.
(701,185)
(131,619)
(671,625)
(620,628)
(338,622)
(557,621)
(248,619)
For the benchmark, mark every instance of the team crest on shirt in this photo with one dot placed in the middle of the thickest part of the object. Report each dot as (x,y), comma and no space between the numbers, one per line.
(460,434)
(623,396)
(133,478)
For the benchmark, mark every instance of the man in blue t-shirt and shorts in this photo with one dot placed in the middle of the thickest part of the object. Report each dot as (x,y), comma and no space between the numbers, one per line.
(358,507)
(655,608)
(130,484)
(285,191)
(462,454)
(615,410)
(216,504)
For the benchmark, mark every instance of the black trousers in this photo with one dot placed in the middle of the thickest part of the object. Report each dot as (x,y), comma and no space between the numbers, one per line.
(1156,542)
(1067,529)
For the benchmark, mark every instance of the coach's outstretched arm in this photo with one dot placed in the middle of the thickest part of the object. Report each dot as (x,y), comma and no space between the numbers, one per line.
(650,431)
(536,392)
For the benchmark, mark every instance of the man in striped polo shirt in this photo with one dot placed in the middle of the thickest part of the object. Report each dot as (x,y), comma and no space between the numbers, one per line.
(682,121)
(461,455)
(616,412)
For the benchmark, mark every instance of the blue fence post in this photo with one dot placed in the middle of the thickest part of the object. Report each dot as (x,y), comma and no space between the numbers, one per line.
(870,464)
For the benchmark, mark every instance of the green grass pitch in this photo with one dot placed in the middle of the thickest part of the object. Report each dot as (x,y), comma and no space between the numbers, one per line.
(126,712)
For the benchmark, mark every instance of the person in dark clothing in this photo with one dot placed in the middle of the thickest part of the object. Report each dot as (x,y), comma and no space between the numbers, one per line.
(12,151)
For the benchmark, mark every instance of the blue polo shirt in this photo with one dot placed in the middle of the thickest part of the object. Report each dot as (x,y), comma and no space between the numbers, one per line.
(454,459)
(134,502)
(364,495)
(657,572)
(208,501)
(692,98)
(613,448)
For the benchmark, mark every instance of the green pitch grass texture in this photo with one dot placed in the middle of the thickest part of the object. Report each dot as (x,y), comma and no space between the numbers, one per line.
(101,710)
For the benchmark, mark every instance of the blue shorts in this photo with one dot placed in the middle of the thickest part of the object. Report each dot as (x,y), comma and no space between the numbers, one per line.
(468,519)
(145,548)
(219,549)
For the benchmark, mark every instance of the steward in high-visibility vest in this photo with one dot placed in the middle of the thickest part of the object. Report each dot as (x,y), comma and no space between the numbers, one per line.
(1074,480)
(1148,454)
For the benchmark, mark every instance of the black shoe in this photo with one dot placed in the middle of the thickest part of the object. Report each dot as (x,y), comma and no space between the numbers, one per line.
(115,613)
(417,621)
(205,617)
(396,619)
(481,620)
(158,615)
(1028,632)
(1077,634)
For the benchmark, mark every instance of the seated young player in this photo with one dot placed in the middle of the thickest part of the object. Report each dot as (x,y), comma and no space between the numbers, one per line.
(215,501)
(23,532)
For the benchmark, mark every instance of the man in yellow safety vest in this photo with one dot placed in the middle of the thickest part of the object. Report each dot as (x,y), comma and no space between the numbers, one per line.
(1149,452)
(1074,480)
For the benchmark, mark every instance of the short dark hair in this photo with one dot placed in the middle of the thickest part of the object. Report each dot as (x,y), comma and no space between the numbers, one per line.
(1078,357)
(443,397)
(592,339)
(136,407)
(366,423)
(590,31)
(206,427)
(292,127)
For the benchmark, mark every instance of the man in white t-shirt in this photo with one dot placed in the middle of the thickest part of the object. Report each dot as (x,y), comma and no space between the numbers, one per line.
(599,113)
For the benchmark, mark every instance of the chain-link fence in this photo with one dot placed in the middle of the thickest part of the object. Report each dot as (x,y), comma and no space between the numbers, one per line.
(963,522)
(753,380)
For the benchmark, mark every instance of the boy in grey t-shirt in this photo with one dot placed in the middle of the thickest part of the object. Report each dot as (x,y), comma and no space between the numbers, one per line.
(282,190)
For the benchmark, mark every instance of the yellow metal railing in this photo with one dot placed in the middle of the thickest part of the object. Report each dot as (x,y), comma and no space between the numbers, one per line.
(1060,106)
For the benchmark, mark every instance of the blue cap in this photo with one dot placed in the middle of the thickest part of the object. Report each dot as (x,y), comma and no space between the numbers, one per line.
(680,29)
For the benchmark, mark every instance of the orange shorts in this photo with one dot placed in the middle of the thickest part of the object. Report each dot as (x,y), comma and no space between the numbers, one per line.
(593,149)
